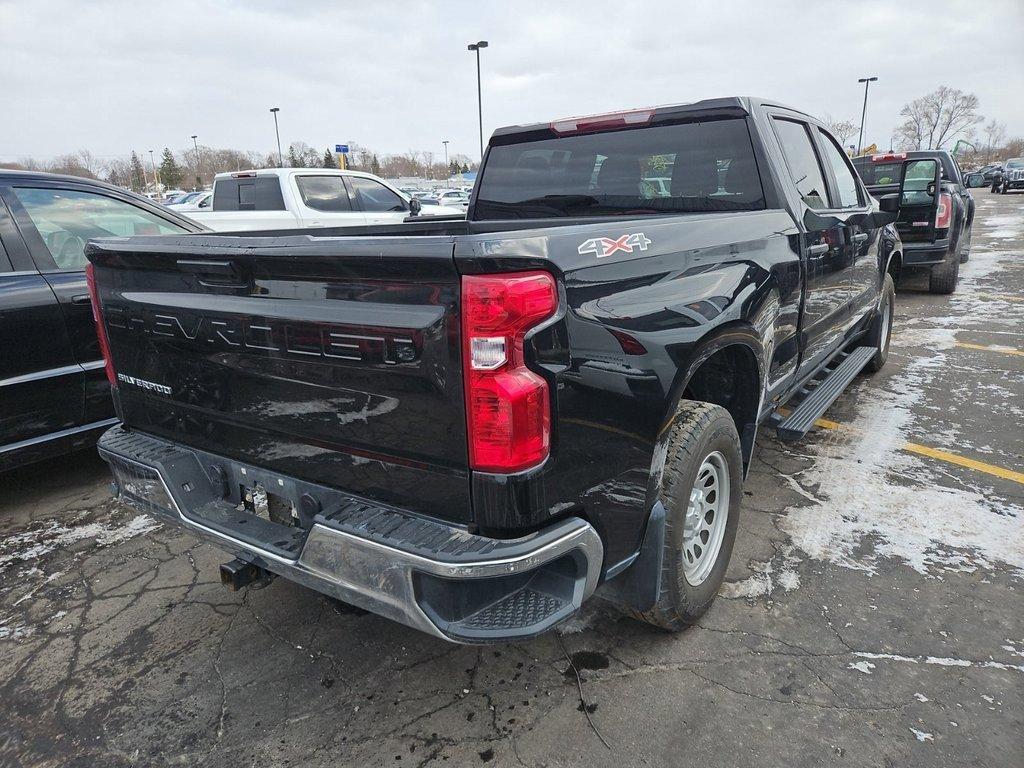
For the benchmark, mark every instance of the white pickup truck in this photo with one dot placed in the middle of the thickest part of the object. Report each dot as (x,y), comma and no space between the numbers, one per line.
(286,198)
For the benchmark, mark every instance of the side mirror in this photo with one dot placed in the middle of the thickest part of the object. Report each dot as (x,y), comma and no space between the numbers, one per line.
(975,180)
(889,203)
(415,206)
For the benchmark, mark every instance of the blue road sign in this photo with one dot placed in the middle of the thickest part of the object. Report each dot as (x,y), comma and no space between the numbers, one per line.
(342,148)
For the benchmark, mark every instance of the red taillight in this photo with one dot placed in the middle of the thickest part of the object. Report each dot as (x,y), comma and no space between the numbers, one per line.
(507,405)
(944,213)
(101,331)
(602,122)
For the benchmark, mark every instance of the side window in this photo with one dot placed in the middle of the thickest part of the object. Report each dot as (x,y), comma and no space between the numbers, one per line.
(324,193)
(66,219)
(374,196)
(849,197)
(803,163)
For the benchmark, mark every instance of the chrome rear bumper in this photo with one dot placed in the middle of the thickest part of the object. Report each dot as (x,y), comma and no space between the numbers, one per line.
(435,577)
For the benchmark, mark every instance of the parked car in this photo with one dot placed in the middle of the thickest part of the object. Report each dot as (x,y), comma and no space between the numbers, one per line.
(454,198)
(937,214)
(990,171)
(54,396)
(286,198)
(1011,177)
(469,425)
(194,201)
(181,200)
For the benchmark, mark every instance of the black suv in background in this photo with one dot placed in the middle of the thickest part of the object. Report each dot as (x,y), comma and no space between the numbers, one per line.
(54,394)
(940,241)
(1010,176)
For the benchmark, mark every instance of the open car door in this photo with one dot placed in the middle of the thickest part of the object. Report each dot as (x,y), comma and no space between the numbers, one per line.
(919,200)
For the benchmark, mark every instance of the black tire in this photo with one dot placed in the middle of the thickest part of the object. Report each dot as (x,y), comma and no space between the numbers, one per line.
(702,432)
(943,276)
(881,326)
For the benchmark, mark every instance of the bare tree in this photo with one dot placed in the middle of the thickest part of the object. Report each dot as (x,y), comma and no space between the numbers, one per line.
(937,118)
(995,134)
(843,130)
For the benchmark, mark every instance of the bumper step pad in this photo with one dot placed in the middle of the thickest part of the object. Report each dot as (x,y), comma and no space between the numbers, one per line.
(827,390)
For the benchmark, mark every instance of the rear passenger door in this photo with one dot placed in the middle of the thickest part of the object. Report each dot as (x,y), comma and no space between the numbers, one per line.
(848,196)
(41,386)
(325,202)
(826,249)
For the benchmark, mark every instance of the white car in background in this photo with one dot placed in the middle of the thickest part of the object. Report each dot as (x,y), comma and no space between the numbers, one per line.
(455,198)
(189,202)
(289,198)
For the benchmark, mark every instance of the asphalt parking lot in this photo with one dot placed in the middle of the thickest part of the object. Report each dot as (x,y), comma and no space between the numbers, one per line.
(873,614)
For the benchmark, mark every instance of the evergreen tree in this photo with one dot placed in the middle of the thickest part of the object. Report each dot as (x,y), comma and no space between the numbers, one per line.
(375,166)
(295,159)
(170,171)
(329,159)
(138,174)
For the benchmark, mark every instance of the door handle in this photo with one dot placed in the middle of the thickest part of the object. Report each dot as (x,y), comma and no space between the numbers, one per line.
(860,237)
(81,298)
(817,250)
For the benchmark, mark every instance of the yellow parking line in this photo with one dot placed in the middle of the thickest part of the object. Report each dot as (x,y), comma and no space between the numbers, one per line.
(990,348)
(935,453)
(963,461)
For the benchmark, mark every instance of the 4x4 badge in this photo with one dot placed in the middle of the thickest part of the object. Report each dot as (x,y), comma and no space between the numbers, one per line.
(606,246)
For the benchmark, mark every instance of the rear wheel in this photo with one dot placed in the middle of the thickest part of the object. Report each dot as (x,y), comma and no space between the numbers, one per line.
(943,276)
(881,326)
(701,492)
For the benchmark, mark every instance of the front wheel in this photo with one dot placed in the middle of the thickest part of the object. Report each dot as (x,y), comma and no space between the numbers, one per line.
(881,326)
(701,492)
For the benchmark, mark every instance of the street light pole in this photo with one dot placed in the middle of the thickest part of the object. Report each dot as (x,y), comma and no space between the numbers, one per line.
(156,178)
(860,139)
(196,145)
(479,96)
(448,168)
(280,157)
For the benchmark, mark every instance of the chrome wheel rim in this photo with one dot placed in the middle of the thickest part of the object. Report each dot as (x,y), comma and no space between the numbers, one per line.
(706,515)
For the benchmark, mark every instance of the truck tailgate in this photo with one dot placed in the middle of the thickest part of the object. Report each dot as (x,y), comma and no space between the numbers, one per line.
(332,360)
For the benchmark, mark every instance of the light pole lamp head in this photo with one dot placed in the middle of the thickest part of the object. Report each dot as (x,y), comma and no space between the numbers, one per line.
(477,46)
(194,136)
(866,79)
(275,109)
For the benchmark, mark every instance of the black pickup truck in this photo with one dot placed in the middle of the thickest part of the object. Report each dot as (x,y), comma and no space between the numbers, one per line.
(471,425)
(936,211)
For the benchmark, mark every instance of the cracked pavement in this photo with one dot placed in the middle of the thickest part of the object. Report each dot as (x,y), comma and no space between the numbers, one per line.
(872,614)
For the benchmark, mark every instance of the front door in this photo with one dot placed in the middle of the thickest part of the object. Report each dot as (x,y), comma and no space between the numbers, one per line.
(380,204)
(827,252)
(56,221)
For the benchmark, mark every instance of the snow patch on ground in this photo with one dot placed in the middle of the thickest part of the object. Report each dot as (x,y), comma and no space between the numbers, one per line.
(767,578)
(30,545)
(871,500)
(921,735)
(863,666)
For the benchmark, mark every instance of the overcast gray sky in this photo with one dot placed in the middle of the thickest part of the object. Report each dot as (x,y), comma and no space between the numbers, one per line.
(113,76)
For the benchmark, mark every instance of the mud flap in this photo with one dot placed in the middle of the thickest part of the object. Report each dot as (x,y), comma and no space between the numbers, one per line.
(639,585)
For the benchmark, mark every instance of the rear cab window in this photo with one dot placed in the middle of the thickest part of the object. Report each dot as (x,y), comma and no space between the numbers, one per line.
(688,167)
(248,193)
